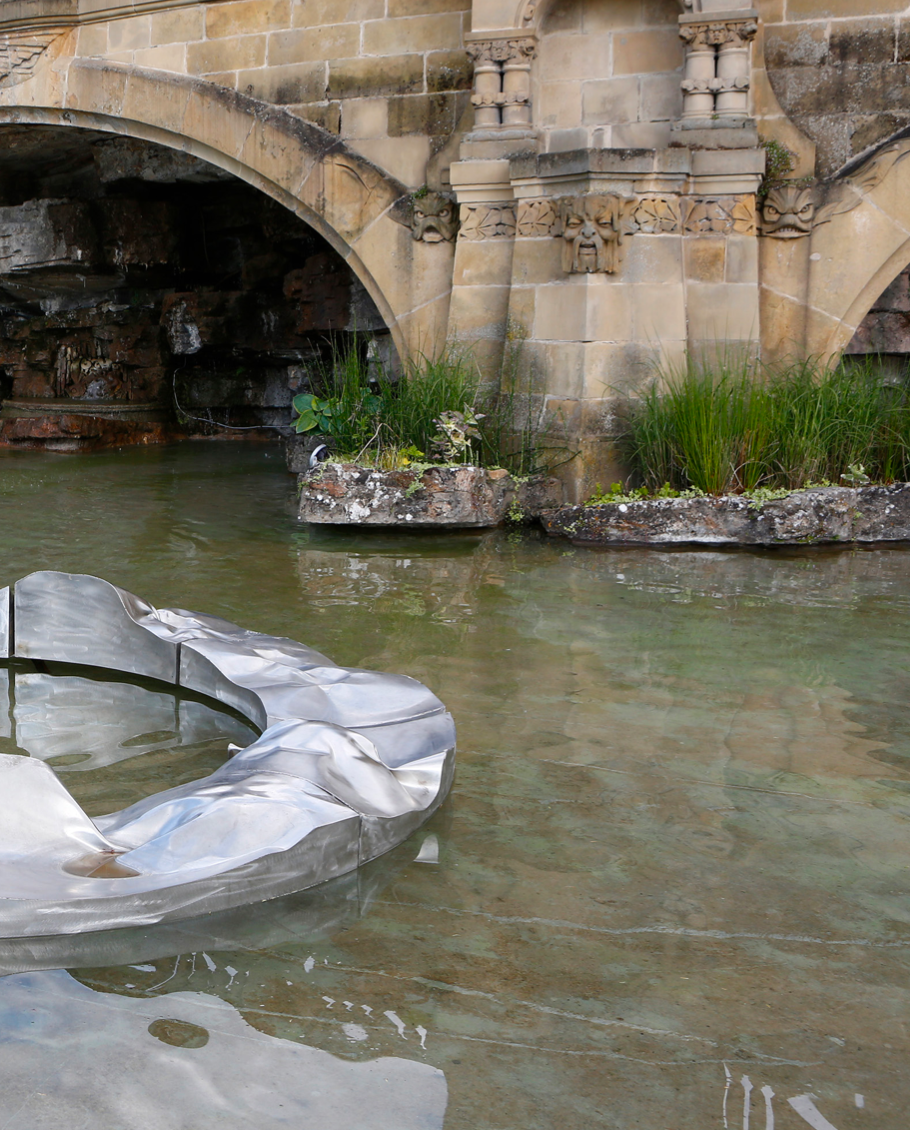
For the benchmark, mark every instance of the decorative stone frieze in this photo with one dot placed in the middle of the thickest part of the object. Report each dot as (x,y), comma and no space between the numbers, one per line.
(719,214)
(536,218)
(592,229)
(655,215)
(487,221)
(502,81)
(610,218)
(434,218)
(718,68)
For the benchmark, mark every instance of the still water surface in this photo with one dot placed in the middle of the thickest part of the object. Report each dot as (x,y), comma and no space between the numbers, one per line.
(669,890)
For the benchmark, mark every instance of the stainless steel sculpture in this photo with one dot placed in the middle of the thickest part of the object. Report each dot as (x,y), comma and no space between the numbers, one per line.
(349,763)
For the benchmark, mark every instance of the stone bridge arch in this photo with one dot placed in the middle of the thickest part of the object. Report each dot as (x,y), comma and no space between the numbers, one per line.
(361,211)
(860,250)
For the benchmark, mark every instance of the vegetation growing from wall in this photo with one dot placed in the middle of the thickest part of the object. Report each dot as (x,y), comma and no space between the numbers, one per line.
(740,428)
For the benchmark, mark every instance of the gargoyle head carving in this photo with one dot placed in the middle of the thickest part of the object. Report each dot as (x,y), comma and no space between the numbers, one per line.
(592,231)
(788,211)
(435,218)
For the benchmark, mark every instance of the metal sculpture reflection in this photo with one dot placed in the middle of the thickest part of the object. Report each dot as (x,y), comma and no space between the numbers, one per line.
(349,763)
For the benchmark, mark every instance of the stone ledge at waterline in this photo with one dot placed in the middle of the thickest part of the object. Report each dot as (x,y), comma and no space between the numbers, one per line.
(823,514)
(456,496)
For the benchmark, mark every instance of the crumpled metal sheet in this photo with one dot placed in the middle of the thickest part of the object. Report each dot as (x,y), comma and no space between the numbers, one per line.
(349,764)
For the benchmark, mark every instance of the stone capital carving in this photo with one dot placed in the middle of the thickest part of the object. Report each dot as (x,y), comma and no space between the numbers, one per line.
(592,229)
(498,51)
(434,218)
(481,52)
(715,34)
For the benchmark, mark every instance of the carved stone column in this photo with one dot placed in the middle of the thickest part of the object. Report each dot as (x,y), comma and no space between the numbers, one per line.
(734,70)
(487,94)
(516,82)
(700,72)
(502,82)
(718,64)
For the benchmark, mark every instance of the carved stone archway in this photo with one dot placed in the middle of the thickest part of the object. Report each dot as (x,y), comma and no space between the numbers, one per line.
(860,250)
(362,211)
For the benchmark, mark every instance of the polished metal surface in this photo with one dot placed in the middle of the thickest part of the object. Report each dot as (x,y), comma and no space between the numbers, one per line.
(350,763)
(73,618)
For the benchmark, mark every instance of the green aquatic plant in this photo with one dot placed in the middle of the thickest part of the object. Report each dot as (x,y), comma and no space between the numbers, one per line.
(435,405)
(732,426)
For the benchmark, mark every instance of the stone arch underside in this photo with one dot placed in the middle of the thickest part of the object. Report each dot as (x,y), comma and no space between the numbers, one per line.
(859,252)
(360,210)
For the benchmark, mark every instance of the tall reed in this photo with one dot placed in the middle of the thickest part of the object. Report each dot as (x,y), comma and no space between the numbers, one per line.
(733,426)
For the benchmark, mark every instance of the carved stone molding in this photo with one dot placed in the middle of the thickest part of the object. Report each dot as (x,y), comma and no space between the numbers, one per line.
(649,214)
(434,218)
(502,81)
(593,229)
(20,51)
(536,218)
(788,211)
(487,221)
(791,211)
(655,215)
(725,214)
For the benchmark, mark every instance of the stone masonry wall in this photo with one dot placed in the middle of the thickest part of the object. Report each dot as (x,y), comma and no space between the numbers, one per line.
(840,70)
(391,77)
(608,74)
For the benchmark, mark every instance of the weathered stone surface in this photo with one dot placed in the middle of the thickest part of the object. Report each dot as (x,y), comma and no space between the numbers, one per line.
(345,494)
(45,233)
(829,514)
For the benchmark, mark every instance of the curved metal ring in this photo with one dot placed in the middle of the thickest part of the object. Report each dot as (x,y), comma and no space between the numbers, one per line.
(348,764)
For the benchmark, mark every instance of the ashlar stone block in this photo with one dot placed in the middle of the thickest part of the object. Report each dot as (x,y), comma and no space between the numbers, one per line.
(419,33)
(181,25)
(308,45)
(248,17)
(647,52)
(231,54)
(612,101)
(399,74)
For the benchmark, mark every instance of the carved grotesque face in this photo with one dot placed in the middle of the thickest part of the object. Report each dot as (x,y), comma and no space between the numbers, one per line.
(788,212)
(435,218)
(591,230)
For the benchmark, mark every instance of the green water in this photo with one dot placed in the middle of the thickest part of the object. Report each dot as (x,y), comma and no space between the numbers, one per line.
(675,855)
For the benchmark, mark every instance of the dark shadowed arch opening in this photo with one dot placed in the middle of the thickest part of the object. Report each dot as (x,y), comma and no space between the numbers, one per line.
(145,293)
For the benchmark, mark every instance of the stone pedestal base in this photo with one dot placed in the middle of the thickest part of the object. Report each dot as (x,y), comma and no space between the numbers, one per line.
(829,514)
(346,494)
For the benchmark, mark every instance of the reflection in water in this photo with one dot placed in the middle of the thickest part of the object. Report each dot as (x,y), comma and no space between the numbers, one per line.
(80,1058)
(100,722)
(670,881)
(88,723)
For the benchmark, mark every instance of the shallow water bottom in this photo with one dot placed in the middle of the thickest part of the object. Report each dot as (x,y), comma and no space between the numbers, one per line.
(669,889)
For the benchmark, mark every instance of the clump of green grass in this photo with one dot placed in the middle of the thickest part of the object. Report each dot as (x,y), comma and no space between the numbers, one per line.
(736,426)
(392,421)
